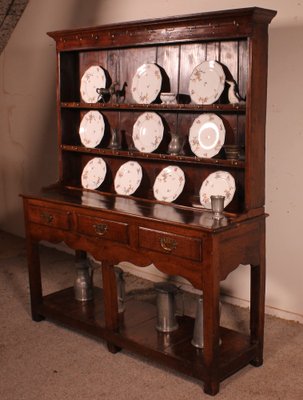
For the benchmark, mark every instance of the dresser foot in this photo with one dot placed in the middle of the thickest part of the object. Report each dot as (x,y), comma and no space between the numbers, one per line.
(211,388)
(257,362)
(113,348)
(37,317)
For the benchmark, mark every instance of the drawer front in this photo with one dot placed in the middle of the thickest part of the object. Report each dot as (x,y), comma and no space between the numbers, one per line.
(169,243)
(103,228)
(50,217)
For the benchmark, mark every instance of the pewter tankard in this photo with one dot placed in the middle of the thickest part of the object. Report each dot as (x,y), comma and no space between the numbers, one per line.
(166,308)
(83,284)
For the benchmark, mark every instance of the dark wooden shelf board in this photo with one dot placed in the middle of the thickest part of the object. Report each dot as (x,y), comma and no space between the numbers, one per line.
(234,108)
(239,164)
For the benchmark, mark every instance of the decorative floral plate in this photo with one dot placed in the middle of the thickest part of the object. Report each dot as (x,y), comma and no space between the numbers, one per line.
(128,178)
(93,173)
(146,84)
(169,183)
(92,79)
(207,135)
(148,132)
(206,82)
(91,129)
(218,183)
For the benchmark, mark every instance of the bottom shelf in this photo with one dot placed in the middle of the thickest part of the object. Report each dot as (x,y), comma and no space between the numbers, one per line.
(138,334)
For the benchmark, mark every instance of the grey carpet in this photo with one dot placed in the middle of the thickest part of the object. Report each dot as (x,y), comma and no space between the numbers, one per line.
(46,361)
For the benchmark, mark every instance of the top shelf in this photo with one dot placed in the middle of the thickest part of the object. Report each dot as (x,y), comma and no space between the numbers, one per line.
(228,108)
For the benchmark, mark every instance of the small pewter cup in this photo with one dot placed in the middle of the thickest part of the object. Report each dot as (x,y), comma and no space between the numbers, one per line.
(232,151)
(217,206)
(166,308)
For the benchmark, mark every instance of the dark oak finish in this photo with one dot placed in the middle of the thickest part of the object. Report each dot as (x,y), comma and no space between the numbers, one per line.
(179,238)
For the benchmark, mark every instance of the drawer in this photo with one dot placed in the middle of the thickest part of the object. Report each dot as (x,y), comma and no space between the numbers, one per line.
(103,228)
(50,217)
(169,243)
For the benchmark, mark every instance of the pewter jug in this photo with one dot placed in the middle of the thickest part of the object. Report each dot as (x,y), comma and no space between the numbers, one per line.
(83,284)
(174,146)
(115,140)
(198,336)
(166,308)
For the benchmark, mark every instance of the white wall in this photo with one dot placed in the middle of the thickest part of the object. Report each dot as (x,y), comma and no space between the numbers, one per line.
(28,131)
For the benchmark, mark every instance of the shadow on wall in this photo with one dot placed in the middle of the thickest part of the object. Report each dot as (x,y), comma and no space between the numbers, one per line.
(84,15)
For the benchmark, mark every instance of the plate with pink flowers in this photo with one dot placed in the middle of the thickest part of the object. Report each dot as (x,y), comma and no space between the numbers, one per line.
(217,183)
(169,184)
(93,173)
(93,78)
(206,135)
(206,82)
(146,83)
(128,178)
(91,129)
(148,132)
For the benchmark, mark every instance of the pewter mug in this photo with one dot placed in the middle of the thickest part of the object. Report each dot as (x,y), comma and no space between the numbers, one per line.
(83,284)
(217,206)
(166,307)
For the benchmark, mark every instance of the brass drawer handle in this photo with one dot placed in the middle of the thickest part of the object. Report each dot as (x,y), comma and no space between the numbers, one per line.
(100,229)
(168,244)
(46,217)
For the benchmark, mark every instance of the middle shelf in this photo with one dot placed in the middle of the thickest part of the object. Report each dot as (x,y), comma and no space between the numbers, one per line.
(229,108)
(238,164)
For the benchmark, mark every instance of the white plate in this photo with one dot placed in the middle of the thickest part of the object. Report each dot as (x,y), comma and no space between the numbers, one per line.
(91,129)
(148,132)
(93,173)
(218,183)
(128,178)
(92,79)
(146,84)
(169,184)
(207,135)
(206,82)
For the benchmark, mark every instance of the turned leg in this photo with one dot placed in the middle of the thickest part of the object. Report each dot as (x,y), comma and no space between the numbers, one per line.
(110,302)
(34,273)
